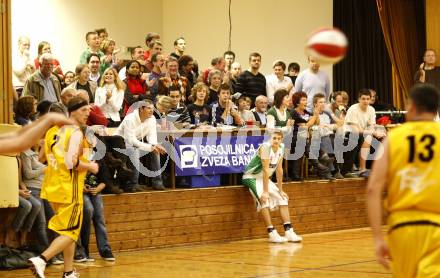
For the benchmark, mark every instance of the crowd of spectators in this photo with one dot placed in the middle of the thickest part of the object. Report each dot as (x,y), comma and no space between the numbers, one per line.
(131,100)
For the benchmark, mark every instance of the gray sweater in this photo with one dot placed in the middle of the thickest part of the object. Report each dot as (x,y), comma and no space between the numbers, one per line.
(33,170)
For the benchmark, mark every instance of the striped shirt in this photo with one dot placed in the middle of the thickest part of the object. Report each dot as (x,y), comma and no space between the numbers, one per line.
(251,85)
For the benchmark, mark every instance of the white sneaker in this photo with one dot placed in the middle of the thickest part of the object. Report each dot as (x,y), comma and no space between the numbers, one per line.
(38,265)
(290,235)
(276,238)
(74,274)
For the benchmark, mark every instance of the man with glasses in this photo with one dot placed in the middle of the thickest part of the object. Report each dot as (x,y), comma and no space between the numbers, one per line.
(94,63)
(43,84)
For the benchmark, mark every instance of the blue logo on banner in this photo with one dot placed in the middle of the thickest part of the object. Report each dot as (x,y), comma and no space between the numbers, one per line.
(196,156)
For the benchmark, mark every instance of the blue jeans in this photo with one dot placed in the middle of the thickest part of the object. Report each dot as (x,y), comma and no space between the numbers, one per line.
(28,210)
(94,211)
(152,171)
(40,221)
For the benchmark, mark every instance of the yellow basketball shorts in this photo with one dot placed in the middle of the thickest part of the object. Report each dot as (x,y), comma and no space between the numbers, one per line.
(415,251)
(67,219)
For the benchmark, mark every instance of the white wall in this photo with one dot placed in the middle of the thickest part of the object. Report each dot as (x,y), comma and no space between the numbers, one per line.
(64,24)
(277,29)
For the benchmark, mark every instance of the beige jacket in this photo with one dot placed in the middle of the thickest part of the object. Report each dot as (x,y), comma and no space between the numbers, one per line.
(34,86)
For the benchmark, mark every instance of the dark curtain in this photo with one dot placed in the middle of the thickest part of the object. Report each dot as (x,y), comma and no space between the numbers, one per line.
(404,30)
(367,64)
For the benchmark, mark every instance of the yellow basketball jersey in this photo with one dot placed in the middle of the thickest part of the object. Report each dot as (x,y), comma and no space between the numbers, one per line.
(61,184)
(414,173)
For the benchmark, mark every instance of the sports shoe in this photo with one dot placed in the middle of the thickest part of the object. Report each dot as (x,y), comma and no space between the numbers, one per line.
(80,259)
(338,176)
(364,173)
(57,260)
(89,259)
(276,238)
(108,256)
(326,176)
(291,236)
(158,187)
(351,175)
(74,274)
(38,265)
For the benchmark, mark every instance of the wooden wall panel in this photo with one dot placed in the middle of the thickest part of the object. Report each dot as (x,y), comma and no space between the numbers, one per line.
(158,219)
(5,63)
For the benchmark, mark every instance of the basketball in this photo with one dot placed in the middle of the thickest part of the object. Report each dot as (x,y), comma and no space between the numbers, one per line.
(327,46)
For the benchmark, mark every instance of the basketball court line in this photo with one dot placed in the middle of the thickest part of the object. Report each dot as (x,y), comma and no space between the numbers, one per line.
(324,268)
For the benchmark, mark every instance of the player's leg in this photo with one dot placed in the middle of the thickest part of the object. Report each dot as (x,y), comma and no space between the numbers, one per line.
(289,234)
(256,188)
(68,254)
(272,232)
(405,250)
(59,244)
(282,203)
(266,217)
(429,264)
(67,223)
(275,200)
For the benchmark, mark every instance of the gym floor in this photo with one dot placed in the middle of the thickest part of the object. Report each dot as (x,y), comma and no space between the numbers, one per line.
(347,253)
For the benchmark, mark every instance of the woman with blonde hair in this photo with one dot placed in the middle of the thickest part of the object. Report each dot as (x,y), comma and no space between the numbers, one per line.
(199,110)
(110,96)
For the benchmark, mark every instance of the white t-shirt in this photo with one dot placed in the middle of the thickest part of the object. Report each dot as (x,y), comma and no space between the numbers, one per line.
(364,119)
(273,84)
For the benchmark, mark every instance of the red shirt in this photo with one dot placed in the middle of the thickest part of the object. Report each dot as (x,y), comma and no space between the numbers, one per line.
(205,75)
(146,54)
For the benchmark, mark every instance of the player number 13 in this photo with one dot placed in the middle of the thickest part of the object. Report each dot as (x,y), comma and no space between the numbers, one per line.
(427,154)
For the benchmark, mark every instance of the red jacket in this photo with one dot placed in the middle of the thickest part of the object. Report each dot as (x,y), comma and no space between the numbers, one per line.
(135,90)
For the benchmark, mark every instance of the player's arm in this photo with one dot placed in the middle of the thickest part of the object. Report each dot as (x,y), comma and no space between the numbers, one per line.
(376,184)
(27,136)
(73,156)
(264,155)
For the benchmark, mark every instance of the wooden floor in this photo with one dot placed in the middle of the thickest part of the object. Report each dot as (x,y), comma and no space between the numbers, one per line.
(346,253)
